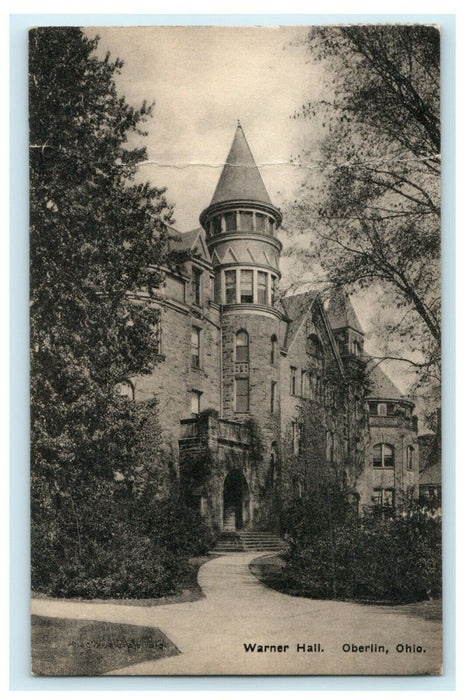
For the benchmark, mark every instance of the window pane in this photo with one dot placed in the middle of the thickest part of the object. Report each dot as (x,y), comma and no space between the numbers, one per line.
(230,284)
(246,221)
(230,220)
(195,347)
(217,224)
(242,395)
(242,347)
(274,343)
(388,456)
(260,222)
(377,456)
(195,402)
(382,409)
(261,287)
(246,286)
(196,285)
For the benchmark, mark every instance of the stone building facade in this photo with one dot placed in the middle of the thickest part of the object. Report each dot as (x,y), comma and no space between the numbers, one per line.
(257,394)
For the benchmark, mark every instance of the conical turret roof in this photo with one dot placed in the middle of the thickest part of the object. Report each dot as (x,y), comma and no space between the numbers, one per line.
(240,179)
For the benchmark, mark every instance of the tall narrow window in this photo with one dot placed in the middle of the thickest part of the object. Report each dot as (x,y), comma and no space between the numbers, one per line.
(409,457)
(293,381)
(196,286)
(242,394)
(242,346)
(262,287)
(304,384)
(195,347)
(230,286)
(273,397)
(246,286)
(274,347)
(382,409)
(195,402)
(296,438)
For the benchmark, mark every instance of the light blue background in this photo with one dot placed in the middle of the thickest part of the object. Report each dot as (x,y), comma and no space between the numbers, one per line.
(20,678)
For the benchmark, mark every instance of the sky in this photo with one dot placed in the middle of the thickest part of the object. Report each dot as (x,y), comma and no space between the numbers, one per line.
(203,80)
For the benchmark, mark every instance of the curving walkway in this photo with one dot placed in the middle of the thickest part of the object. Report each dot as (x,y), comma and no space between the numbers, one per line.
(238,609)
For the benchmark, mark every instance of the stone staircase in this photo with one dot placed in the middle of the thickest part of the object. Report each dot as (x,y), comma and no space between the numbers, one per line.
(247,541)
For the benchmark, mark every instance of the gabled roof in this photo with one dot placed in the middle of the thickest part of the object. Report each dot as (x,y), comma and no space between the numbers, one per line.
(296,307)
(240,178)
(341,313)
(380,386)
(189,241)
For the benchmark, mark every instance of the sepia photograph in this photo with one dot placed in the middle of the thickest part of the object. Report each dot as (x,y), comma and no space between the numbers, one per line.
(235,350)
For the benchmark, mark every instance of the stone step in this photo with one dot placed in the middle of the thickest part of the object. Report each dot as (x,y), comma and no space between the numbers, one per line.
(248,540)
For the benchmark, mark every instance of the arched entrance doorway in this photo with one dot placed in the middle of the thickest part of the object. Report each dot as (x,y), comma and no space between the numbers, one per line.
(236,501)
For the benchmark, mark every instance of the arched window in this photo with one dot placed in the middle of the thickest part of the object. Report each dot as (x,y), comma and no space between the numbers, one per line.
(383,456)
(242,346)
(274,348)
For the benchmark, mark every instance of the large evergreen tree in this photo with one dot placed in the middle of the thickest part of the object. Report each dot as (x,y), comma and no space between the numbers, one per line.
(98,241)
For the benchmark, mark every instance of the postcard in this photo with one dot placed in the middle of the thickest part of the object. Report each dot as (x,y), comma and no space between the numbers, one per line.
(235,332)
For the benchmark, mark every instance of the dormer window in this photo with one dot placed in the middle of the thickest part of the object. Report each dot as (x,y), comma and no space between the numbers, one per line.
(356,348)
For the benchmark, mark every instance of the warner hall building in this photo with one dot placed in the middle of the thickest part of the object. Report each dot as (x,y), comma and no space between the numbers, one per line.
(259,397)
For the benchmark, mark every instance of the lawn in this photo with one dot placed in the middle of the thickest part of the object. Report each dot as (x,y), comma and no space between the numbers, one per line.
(62,647)
(270,571)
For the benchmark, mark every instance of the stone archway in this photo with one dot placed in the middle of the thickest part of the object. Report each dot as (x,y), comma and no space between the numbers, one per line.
(236,501)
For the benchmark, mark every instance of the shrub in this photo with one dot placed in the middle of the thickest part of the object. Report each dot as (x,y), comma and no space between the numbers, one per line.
(391,560)
(101,541)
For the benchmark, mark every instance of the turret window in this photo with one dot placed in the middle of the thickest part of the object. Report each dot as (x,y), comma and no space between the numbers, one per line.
(216,225)
(262,287)
(246,220)
(274,347)
(246,286)
(383,456)
(230,221)
(242,346)
(260,223)
(230,286)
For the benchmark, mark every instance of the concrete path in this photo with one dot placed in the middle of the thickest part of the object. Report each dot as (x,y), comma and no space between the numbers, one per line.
(239,610)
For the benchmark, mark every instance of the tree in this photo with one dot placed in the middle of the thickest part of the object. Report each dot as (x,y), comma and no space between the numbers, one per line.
(97,241)
(374,208)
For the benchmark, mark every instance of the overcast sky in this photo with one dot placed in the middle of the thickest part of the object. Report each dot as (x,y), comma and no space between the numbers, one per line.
(203,80)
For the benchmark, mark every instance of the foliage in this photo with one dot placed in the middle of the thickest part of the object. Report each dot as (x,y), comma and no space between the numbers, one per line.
(395,560)
(103,542)
(374,208)
(93,233)
(98,244)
